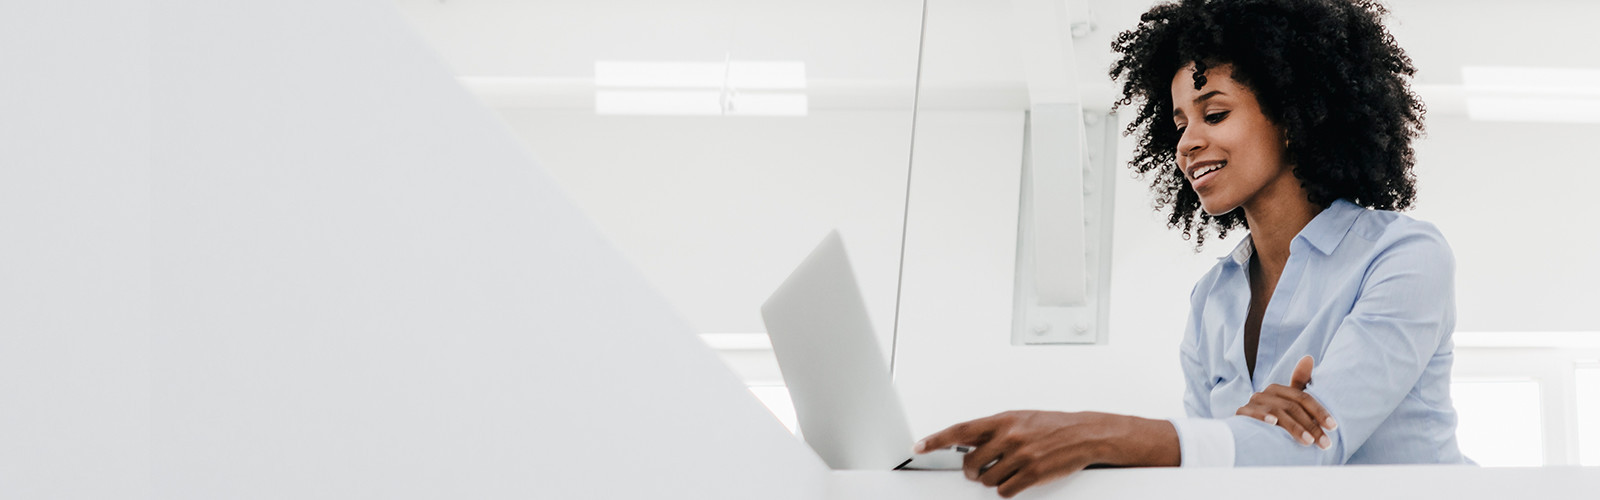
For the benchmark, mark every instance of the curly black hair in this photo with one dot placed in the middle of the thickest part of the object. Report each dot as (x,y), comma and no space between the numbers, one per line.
(1326,72)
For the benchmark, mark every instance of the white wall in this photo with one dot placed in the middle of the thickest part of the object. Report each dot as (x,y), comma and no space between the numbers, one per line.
(717,211)
(1515,201)
(74,250)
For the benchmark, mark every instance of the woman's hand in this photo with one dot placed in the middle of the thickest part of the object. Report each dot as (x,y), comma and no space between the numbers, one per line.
(1019,449)
(1292,409)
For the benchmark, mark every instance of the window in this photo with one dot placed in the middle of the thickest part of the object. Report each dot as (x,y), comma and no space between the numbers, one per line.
(1500,421)
(1588,403)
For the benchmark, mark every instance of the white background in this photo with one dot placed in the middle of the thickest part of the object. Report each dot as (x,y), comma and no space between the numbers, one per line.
(716,210)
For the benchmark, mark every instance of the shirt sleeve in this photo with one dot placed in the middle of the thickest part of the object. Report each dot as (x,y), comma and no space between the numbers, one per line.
(1405,309)
(1202,441)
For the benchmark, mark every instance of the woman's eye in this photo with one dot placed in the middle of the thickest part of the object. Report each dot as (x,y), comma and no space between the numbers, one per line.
(1180,130)
(1216,117)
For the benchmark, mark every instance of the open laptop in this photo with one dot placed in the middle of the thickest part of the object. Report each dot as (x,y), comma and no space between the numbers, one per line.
(848,409)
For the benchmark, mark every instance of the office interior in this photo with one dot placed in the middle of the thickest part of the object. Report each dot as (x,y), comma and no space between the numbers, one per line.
(518,249)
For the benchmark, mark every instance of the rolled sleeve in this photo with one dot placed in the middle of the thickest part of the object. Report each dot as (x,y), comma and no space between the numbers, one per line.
(1204,442)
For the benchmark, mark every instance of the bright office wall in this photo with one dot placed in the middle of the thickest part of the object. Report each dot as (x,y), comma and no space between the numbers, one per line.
(1515,201)
(74,250)
(718,210)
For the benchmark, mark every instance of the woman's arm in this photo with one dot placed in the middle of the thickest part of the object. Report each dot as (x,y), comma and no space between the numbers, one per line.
(1405,309)
(1019,449)
(1376,355)
(1375,358)
(1292,409)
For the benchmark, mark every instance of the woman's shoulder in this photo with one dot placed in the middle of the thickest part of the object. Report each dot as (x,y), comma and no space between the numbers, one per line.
(1390,233)
(1226,263)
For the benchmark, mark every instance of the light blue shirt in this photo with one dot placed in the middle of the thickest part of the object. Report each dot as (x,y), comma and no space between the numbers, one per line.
(1370,295)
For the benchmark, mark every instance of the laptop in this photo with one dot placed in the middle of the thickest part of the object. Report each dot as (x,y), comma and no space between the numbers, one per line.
(842,390)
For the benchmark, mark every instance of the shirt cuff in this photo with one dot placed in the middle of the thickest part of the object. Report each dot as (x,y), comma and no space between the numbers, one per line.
(1204,442)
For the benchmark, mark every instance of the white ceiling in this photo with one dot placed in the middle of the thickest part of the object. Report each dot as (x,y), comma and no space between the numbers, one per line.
(877,40)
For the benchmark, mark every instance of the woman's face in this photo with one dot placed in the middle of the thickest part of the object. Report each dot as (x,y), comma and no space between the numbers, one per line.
(1227,149)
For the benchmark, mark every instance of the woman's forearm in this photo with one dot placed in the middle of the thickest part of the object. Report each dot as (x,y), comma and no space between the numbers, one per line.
(1144,442)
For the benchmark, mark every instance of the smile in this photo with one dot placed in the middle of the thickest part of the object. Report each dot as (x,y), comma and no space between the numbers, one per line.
(1203,171)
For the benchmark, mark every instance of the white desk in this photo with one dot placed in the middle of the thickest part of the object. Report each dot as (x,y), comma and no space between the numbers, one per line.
(1409,482)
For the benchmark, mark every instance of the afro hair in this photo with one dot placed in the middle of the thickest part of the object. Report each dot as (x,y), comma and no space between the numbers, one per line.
(1326,72)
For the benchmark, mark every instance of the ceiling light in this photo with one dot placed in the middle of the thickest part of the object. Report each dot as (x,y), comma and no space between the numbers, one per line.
(658,102)
(1527,94)
(762,75)
(630,74)
(726,88)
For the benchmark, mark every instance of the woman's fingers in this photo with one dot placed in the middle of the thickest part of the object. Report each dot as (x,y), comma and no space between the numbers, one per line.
(1029,476)
(1257,413)
(971,433)
(977,461)
(1292,408)
(1000,471)
(1302,374)
(1298,381)
(1308,403)
(1272,408)
(1017,483)
(1296,429)
(1017,449)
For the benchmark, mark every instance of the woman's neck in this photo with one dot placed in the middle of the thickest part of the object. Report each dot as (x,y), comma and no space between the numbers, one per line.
(1276,215)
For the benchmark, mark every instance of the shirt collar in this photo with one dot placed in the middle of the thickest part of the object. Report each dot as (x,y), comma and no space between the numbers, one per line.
(1241,253)
(1327,229)
(1324,232)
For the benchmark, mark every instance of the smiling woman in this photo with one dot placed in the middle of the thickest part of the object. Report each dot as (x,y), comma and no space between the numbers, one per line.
(1293,119)
(1326,74)
(1229,128)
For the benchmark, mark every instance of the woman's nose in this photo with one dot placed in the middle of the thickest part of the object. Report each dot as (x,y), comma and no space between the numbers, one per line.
(1190,142)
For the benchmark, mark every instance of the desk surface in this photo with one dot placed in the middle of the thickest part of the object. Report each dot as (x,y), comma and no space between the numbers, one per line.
(1408,482)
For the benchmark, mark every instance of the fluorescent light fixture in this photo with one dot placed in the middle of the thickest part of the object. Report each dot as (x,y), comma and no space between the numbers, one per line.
(629,74)
(766,75)
(1543,81)
(726,88)
(658,102)
(697,103)
(737,341)
(1529,109)
(774,104)
(741,75)
(1556,340)
(1527,94)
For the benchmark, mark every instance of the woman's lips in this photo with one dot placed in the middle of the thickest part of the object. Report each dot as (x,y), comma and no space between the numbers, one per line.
(1206,180)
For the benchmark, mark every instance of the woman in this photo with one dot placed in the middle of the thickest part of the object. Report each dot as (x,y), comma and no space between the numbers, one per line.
(1294,120)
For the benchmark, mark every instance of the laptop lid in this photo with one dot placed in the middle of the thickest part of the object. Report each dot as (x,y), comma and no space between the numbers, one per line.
(822,336)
